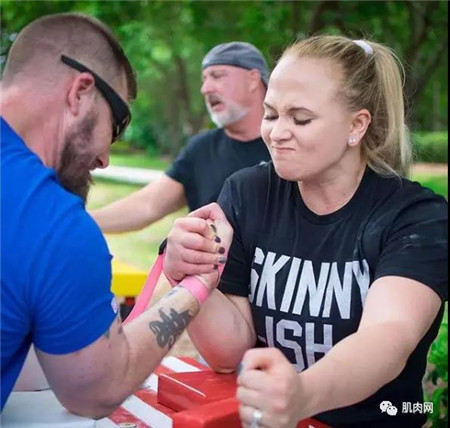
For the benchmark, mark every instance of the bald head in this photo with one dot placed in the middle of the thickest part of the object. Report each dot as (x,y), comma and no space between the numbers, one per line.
(36,52)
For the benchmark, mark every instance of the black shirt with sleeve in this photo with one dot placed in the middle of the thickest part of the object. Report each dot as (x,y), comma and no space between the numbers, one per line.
(209,159)
(307,276)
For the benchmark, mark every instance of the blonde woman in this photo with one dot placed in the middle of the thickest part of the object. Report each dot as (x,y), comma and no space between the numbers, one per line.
(338,268)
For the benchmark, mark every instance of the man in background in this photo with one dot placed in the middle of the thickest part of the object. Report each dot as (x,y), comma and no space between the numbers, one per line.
(234,82)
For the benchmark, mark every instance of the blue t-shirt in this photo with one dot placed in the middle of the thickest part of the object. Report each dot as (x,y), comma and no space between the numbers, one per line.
(55,264)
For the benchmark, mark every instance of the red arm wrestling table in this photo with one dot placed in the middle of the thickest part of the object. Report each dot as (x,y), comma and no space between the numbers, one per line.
(183,393)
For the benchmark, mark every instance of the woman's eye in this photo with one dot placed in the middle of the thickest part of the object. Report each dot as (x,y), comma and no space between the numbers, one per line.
(268,117)
(302,122)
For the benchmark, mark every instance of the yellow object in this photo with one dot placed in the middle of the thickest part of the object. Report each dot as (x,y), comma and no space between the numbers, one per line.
(127,281)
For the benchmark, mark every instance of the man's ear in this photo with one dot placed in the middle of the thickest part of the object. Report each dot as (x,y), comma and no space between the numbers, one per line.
(360,123)
(254,79)
(81,91)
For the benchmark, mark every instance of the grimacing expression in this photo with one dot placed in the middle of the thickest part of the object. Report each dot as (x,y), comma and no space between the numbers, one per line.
(78,158)
(306,123)
(225,91)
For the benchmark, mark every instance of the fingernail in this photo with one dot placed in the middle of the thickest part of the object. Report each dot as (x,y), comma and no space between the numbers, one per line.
(214,229)
(221,250)
(217,239)
(222,260)
(216,267)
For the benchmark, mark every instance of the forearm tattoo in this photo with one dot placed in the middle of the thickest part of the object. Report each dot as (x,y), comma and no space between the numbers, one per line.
(169,329)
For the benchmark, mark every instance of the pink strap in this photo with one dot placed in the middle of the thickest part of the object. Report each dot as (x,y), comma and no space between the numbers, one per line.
(147,291)
(195,287)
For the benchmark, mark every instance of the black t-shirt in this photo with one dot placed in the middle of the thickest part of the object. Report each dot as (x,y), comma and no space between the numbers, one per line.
(307,275)
(209,159)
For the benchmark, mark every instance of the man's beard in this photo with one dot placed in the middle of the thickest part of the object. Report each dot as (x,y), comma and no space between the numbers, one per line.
(77,159)
(233,113)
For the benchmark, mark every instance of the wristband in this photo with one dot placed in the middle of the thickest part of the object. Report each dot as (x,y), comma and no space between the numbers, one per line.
(196,288)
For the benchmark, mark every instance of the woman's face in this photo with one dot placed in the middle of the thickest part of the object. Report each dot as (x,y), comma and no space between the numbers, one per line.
(306,124)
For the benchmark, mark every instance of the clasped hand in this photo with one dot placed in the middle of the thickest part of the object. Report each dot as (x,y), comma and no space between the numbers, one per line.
(198,245)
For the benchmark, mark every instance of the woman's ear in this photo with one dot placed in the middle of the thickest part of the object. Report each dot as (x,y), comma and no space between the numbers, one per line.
(358,128)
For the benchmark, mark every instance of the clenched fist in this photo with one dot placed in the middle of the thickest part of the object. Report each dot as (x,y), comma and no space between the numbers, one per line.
(198,245)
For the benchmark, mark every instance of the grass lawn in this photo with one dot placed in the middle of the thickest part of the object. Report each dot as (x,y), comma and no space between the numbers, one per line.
(138,161)
(135,248)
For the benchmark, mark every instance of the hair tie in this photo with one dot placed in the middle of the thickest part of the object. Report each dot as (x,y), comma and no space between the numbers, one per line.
(363,44)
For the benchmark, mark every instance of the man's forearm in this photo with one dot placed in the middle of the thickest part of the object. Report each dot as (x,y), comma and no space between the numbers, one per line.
(149,338)
(354,369)
(124,215)
(106,372)
(140,209)
(221,333)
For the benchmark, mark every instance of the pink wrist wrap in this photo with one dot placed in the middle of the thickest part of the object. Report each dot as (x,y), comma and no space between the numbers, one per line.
(190,283)
(196,288)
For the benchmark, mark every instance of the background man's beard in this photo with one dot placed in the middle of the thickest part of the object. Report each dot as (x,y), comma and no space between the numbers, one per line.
(232,114)
(77,159)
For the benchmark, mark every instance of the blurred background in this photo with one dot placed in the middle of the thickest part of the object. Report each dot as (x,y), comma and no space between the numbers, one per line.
(166,40)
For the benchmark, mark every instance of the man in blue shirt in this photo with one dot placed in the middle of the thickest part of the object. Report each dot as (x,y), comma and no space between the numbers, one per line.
(63,92)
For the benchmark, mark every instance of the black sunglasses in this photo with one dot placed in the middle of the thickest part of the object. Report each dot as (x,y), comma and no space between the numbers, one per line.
(120,111)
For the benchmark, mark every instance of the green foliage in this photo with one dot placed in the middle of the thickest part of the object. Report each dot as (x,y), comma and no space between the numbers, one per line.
(166,40)
(431,147)
(438,376)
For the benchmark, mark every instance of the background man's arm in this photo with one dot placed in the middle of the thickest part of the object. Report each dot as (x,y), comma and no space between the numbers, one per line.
(143,207)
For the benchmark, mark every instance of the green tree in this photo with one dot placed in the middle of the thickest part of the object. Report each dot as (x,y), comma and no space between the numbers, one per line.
(166,41)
